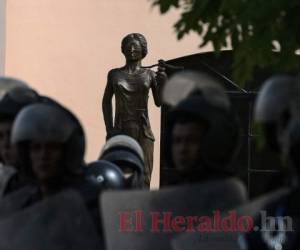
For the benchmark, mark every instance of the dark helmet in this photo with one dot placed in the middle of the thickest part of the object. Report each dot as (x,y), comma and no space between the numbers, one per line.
(47,122)
(125,152)
(8,83)
(106,174)
(125,142)
(273,107)
(206,101)
(14,96)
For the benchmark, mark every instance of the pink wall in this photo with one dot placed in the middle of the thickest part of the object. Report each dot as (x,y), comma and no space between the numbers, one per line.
(2,34)
(65,49)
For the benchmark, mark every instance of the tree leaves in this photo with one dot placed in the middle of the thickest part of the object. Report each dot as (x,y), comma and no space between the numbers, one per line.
(251,27)
(165,5)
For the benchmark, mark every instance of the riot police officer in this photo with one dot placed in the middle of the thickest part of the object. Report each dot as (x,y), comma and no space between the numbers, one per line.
(277,109)
(15,95)
(50,143)
(203,132)
(273,107)
(281,228)
(127,154)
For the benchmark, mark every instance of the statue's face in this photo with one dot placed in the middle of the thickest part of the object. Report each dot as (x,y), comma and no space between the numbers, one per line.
(133,50)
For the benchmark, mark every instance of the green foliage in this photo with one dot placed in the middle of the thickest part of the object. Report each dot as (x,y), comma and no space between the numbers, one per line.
(250,27)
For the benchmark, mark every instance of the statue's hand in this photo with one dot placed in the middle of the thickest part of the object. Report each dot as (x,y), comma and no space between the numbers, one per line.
(161,76)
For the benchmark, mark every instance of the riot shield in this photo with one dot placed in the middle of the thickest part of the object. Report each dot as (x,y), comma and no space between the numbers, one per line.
(255,206)
(147,220)
(60,222)
(228,238)
(6,173)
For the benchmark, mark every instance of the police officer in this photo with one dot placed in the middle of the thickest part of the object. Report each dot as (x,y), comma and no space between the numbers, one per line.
(51,144)
(276,103)
(280,228)
(277,109)
(127,154)
(203,134)
(273,107)
(15,95)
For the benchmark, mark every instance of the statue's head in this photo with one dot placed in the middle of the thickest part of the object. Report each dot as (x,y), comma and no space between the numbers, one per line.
(138,41)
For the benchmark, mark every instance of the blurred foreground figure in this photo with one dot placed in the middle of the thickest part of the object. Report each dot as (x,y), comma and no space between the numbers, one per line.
(281,228)
(203,134)
(276,104)
(61,221)
(274,107)
(127,154)
(14,95)
(51,144)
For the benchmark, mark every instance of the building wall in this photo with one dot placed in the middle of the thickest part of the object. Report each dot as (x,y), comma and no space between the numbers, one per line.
(64,48)
(2,35)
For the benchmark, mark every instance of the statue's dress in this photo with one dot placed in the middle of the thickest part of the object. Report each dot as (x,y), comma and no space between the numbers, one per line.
(131,109)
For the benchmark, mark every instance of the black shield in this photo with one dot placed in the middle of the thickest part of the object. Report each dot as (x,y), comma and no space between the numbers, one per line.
(229,239)
(208,241)
(60,222)
(133,219)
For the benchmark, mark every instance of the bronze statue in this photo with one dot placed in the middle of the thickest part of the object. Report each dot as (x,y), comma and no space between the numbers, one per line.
(131,84)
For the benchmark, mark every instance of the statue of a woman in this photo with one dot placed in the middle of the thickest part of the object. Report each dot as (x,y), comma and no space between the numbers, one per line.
(131,84)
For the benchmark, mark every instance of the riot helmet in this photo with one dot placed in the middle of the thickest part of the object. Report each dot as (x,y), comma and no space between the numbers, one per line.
(127,154)
(48,123)
(15,99)
(105,174)
(14,95)
(8,83)
(185,83)
(273,107)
